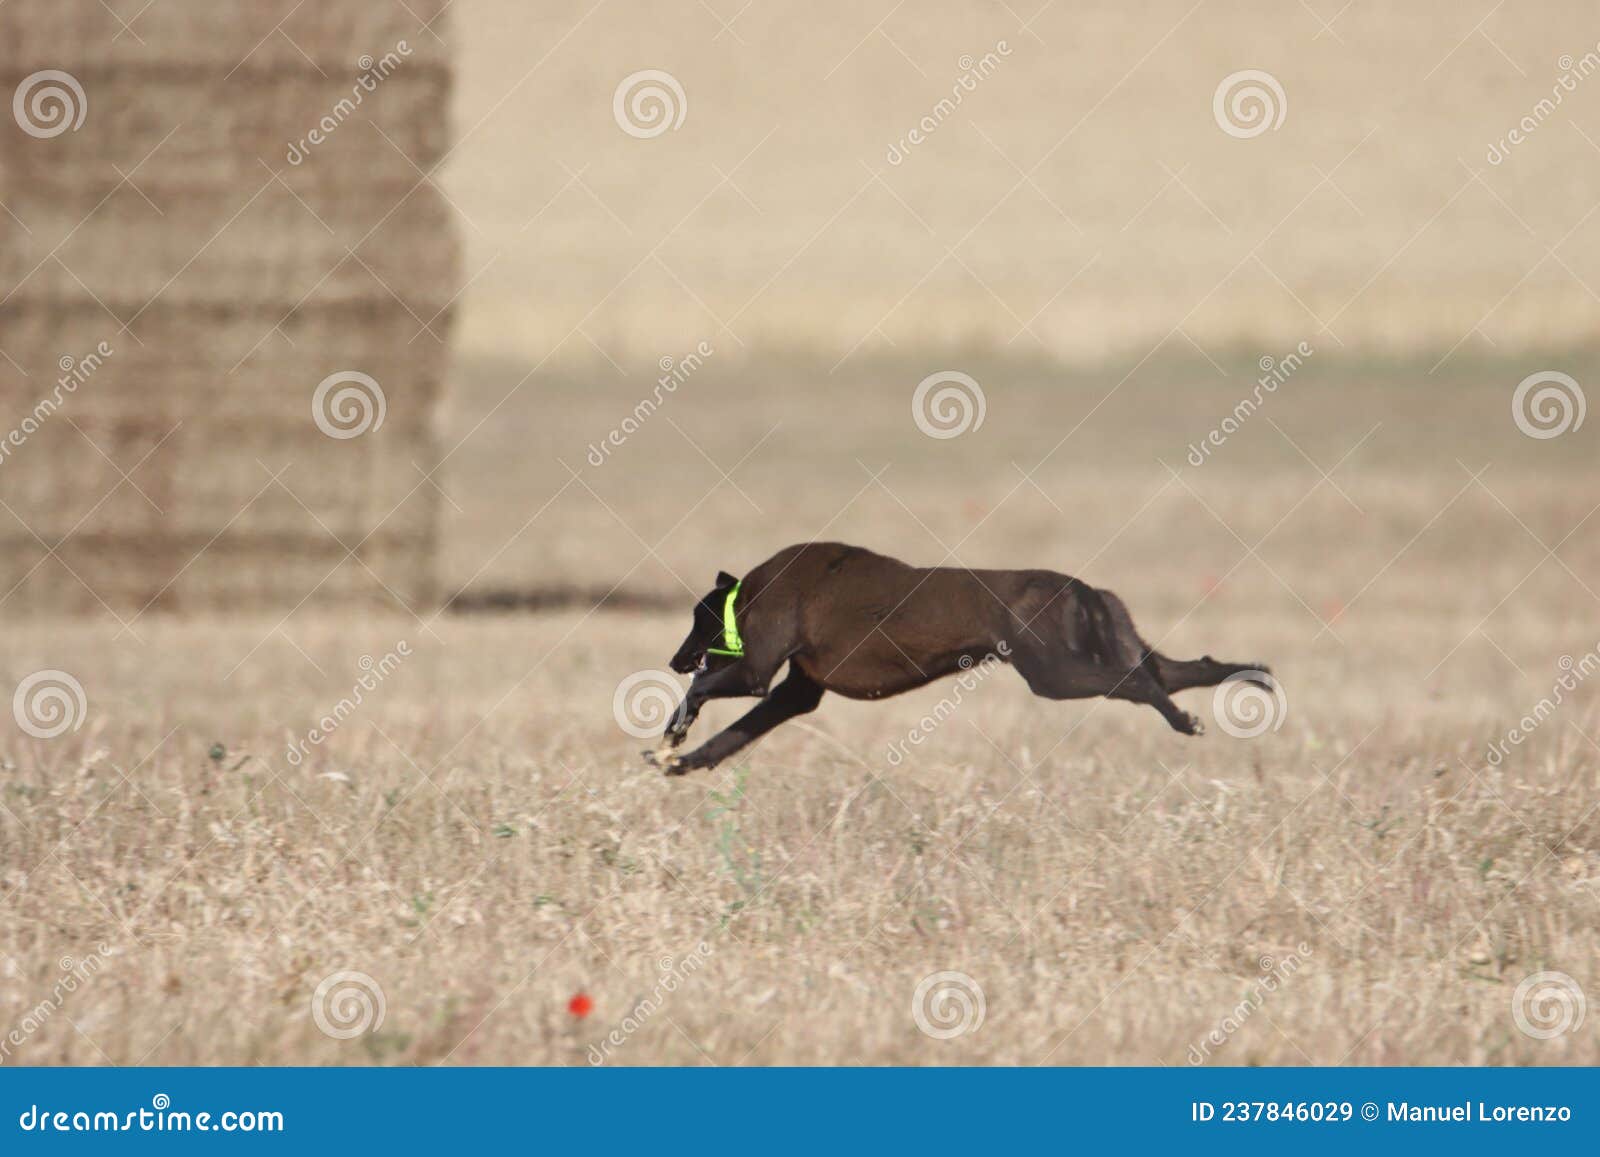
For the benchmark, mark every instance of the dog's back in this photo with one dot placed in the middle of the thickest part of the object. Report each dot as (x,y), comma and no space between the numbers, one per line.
(868,625)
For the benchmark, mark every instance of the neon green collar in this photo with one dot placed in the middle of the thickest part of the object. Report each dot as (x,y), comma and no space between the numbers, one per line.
(732,644)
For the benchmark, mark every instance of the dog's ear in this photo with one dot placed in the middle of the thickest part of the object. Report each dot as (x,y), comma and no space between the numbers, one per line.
(725,580)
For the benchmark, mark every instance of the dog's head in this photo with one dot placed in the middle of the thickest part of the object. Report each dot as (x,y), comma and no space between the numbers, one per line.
(707,629)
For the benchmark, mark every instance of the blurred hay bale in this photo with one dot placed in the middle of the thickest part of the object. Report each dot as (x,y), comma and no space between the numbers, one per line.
(182,270)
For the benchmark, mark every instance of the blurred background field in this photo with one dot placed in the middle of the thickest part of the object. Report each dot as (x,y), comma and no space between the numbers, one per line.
(480,840)
(1080,200)
(1086,471)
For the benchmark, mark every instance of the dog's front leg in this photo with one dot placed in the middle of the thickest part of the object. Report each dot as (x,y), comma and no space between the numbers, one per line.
(796,695)
(678,726)
(731,680)
(677,731)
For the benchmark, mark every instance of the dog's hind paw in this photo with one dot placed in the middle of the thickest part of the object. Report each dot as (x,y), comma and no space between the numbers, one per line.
(669,763)
(1191,725)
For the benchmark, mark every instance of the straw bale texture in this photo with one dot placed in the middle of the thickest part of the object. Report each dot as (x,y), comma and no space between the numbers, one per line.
(229,266)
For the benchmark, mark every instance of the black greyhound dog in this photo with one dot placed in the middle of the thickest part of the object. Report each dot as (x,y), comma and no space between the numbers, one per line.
(866,626)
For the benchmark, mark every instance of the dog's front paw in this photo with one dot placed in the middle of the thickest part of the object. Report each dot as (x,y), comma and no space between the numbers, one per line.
(1191,725)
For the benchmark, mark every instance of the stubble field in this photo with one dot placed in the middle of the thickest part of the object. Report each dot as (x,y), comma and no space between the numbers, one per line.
(479,840)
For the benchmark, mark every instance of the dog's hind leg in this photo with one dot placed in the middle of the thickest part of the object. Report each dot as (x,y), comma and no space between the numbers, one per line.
(1118,643)
(1055,675)
(796,695)
(1181,674)
(1174,675)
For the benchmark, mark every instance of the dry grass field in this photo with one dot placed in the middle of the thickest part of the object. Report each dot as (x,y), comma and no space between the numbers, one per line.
(481,840)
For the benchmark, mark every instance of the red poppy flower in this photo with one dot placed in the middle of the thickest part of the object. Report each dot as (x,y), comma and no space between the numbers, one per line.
(580,1005)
